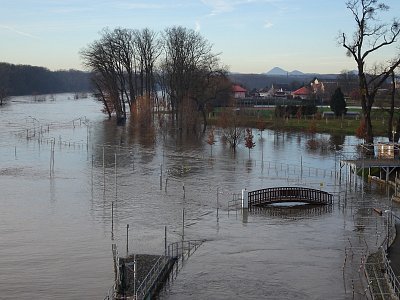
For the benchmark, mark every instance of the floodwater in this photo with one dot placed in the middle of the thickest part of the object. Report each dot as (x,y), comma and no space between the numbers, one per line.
(55,219)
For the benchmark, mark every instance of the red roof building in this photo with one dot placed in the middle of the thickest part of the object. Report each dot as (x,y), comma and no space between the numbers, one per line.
(238,92)
(303,93)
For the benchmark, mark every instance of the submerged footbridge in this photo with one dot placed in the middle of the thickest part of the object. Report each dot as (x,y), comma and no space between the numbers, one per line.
(285,194)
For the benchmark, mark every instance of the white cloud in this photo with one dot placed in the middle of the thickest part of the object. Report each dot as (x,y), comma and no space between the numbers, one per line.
(219,6)
(19,32)
(198,26)
(143,5)
(223,6)
(268,24)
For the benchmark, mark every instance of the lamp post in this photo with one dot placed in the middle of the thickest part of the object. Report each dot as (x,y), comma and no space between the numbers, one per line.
(387,232)
(393,133)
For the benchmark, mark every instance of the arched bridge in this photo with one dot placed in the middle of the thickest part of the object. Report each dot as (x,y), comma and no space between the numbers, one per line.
(287,194)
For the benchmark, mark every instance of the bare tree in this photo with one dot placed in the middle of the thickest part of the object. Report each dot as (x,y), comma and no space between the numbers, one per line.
(102,93)
(111,59)
(148,50)
(124,65)
(209,84)
(347,81)
(393,131)
(233,132)
(187,55)
(100,58)
(370,37)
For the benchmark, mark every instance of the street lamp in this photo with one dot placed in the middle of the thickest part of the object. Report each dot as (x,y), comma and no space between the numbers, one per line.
(393,133)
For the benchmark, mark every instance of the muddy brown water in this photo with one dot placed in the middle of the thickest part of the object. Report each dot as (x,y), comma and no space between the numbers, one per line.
(55,228)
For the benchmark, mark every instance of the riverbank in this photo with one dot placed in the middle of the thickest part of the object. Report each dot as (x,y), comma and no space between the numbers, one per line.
(257,118)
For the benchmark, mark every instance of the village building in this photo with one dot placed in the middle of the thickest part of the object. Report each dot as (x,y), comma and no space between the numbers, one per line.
(314,90)
(239,92)
(274,92)
(302,93)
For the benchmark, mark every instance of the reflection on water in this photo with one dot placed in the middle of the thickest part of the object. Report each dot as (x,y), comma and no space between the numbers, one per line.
(295,211)
(55,240)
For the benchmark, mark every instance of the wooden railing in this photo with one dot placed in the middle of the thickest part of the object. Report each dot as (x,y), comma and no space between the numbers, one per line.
(288,194)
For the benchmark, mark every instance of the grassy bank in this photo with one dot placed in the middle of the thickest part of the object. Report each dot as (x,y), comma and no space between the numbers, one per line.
(345,126)
(332,126)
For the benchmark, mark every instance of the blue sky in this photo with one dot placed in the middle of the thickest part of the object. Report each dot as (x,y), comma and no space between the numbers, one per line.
(252,36)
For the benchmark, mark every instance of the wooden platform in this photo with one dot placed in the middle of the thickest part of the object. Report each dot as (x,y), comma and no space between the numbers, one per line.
(384,164)
(372,163)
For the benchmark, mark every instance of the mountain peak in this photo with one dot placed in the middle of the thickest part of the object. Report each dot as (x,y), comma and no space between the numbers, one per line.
(296,72)
(276,71)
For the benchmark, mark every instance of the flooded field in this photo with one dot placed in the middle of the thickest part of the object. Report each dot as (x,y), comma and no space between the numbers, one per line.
(63,164)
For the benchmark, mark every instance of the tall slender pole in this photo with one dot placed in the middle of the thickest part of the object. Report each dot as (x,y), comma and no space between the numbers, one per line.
(161,177)
(54,146)
(262,150)
(104,173)
(134,275)
(87,138)
(112,219)
(165,240)
(217,202)
(115,169)
(127,239)
(51,155)
(92,175)
(183,224)
(301,167)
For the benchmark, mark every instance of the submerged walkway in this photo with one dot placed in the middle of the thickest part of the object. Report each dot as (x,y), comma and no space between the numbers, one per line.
(385,165)
(140,276)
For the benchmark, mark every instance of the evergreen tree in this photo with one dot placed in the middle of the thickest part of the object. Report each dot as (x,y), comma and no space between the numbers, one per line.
(338,104)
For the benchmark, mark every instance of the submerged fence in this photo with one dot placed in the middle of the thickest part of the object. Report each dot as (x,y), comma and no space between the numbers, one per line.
(127,272)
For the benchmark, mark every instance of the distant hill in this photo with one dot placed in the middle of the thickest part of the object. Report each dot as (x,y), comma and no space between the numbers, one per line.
(276,71)
(296,73)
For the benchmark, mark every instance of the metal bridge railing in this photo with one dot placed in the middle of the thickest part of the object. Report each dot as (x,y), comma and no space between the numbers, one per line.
(393,279)
(182,248)
(151,278)
(235,203)
(277,194)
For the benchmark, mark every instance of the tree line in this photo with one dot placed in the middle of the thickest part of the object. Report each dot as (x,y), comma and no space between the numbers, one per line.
(17,80)
(140,70)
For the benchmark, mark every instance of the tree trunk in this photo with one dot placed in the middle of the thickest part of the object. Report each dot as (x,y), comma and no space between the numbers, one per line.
(390,125)
(369,136)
